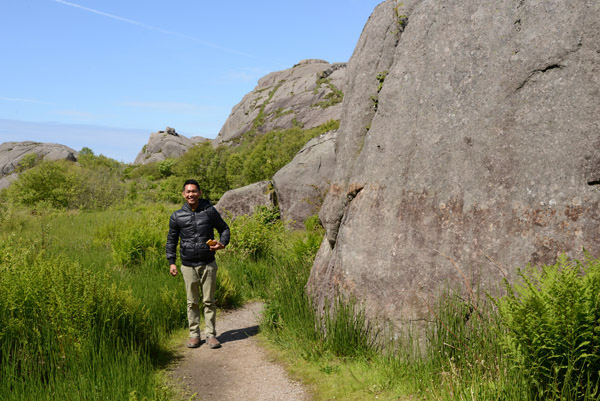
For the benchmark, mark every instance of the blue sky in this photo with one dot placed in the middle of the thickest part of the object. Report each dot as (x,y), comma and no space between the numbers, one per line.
(105,74)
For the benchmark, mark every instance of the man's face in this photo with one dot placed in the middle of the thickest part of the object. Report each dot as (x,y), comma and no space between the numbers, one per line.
(191,194)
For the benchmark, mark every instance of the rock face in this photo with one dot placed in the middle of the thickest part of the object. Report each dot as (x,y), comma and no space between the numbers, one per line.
(243,200)
(469,145)
(166,144)
(307,95)
(301,185)
(11,153)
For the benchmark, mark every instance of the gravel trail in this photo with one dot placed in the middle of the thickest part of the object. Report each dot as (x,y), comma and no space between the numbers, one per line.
(240,370)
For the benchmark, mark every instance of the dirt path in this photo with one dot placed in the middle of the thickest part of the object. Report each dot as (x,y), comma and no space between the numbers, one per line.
(240,370)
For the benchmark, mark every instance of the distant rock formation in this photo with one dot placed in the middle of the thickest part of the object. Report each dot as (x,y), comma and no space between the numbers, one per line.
(244,200)
(166,144)
(11,154)
(301,185)
(469,145)
(306,95)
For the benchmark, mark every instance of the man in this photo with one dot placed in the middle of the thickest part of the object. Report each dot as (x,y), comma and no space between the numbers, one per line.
(193,226)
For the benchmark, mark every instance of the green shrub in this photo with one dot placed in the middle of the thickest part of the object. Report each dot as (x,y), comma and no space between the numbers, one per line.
(62,184)
(28,161)
(169,190)
(205,164)
(165,167)
(55,182)
(148,170)
(257,236)
(100,187)
(553,319)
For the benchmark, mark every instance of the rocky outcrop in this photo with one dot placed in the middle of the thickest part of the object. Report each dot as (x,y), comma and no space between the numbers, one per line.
(468,146)
(6,180)
(244,200)
(12,153)
(301,185)
(166,144)
(307,95)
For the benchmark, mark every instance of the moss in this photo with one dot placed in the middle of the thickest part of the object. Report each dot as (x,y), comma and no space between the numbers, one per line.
(381,78)
(280,113)
(260,119)
(332,98)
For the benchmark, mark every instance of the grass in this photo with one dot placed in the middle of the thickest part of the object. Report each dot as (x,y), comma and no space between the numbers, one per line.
(78,320)
(72,324)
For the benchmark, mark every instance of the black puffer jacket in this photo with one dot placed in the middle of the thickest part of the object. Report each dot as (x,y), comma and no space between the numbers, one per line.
(193,229)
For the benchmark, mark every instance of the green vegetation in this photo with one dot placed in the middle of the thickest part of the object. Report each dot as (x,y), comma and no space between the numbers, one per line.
(381,79)
(553,314)
(256,158)
(280,113)
(334,97)
(88,309)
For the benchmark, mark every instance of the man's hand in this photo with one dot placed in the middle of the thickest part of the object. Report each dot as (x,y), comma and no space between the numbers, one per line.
(173,270)
(217,246)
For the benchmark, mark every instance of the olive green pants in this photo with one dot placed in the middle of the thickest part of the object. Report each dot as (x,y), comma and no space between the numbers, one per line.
(201,277)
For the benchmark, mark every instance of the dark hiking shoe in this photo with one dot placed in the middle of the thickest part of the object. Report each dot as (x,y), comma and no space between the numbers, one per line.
(194,342)
(213,342)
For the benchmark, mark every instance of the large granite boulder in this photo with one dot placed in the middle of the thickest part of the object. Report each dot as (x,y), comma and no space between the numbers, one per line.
(307,95)
(6,180)
(468,146)
(244,200)
(301,185)
(166,144)
(11,153)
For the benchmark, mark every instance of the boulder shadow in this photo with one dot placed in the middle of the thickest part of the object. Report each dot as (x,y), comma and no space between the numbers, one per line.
(238,334)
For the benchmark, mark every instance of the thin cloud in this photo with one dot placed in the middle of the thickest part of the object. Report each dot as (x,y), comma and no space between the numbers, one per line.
(157,29)
(22,100)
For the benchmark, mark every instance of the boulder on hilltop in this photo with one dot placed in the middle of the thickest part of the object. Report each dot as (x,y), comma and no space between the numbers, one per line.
(11,154)
(468,146)
(166,144)
(306,95)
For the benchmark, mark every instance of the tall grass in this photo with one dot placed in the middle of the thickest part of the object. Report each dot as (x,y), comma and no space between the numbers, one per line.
(467,351)
(73,323)
(86,304)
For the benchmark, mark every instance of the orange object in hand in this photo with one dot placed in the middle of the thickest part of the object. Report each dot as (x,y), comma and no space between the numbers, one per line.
(211,242)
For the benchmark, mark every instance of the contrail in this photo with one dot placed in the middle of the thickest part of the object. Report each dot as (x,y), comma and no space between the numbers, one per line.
(157,29)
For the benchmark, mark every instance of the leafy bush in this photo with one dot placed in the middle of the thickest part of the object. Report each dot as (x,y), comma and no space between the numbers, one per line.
(553,317)
(257,236)
(28,161)
(207,166)
(55,182)
(165,167)
(169,190)
(63,184)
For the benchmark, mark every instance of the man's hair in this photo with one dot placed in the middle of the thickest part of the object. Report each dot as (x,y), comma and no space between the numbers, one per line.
(192,182)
